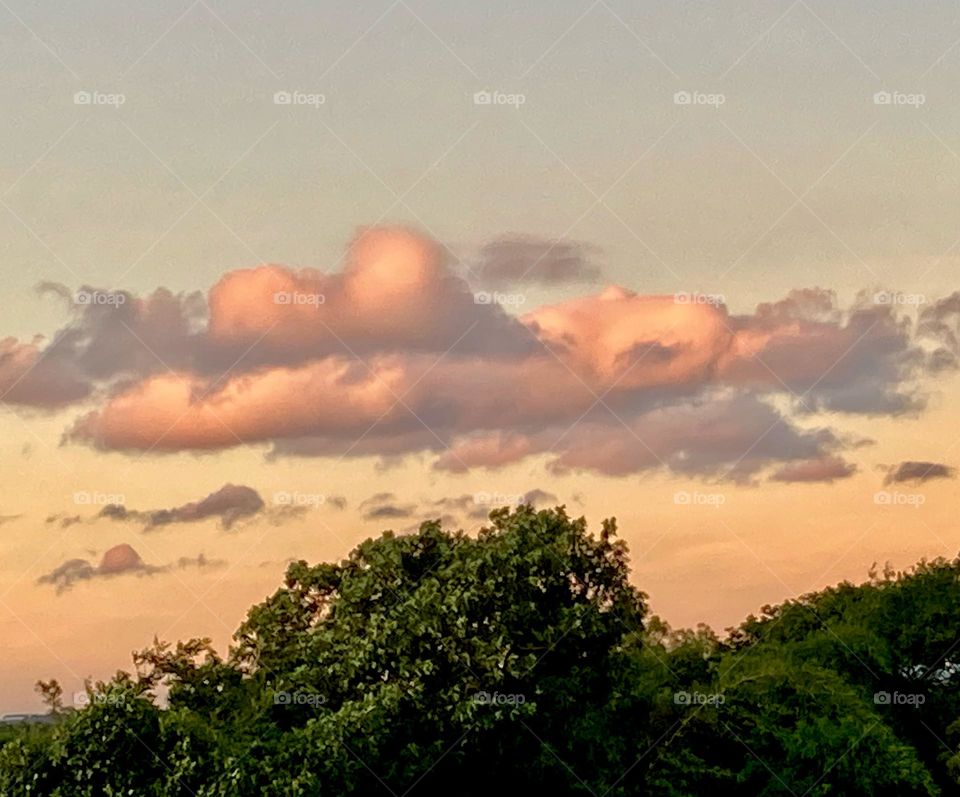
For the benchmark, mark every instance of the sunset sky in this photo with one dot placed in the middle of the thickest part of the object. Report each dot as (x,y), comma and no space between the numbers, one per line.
(277,279)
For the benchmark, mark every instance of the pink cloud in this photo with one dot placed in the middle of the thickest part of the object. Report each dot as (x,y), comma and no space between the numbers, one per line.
(393,355)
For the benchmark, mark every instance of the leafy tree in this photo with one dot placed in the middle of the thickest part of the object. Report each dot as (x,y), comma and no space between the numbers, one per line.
(522,659)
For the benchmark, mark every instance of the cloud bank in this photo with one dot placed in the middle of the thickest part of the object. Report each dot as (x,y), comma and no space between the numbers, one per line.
(397,355)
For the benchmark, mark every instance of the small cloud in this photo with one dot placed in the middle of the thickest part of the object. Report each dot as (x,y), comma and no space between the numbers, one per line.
(539,498)
(230,504)
(64,521)
(389,511)
(479,505)
(527,259)
(823,469)
(382,506)
(465,504)
(918,472)
(119,560)
(337,501)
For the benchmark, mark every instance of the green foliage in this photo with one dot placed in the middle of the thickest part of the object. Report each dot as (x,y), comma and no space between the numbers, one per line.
(522,659)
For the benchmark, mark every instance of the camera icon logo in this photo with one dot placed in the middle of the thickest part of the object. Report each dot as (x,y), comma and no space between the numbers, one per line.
(282,98)
(682,98)
(882,98)
(482,98)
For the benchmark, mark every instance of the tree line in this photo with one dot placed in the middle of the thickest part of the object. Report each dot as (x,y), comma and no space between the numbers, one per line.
(521,660)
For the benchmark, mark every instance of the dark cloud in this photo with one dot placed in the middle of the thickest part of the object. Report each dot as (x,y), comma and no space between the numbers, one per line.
(462,505)
(525,259)
(384,506)
(824,469)
(64,521)
(539,498)
(389,511)
(64,576)
(477,506)
(733,437)
(120,560)
(918,472)
(336,501)
(230,504)
(864,361)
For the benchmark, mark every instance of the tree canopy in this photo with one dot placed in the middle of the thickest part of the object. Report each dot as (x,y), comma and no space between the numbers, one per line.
(521,659)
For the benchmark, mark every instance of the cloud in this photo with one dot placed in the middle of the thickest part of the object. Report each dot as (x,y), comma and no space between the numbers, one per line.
(31,375)
(539,498)
(392,356)
(823,469)
(477,506)
(918,472)
(862,361)
(116,561)
(383,506)
(522,259)
(465,504)
(735,436)
(64,521)
(230,504)
(396,293)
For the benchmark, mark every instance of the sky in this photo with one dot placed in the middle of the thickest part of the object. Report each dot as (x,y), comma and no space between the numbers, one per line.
(279,278)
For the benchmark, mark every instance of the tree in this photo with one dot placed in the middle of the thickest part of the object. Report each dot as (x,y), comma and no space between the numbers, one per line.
(440,663)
